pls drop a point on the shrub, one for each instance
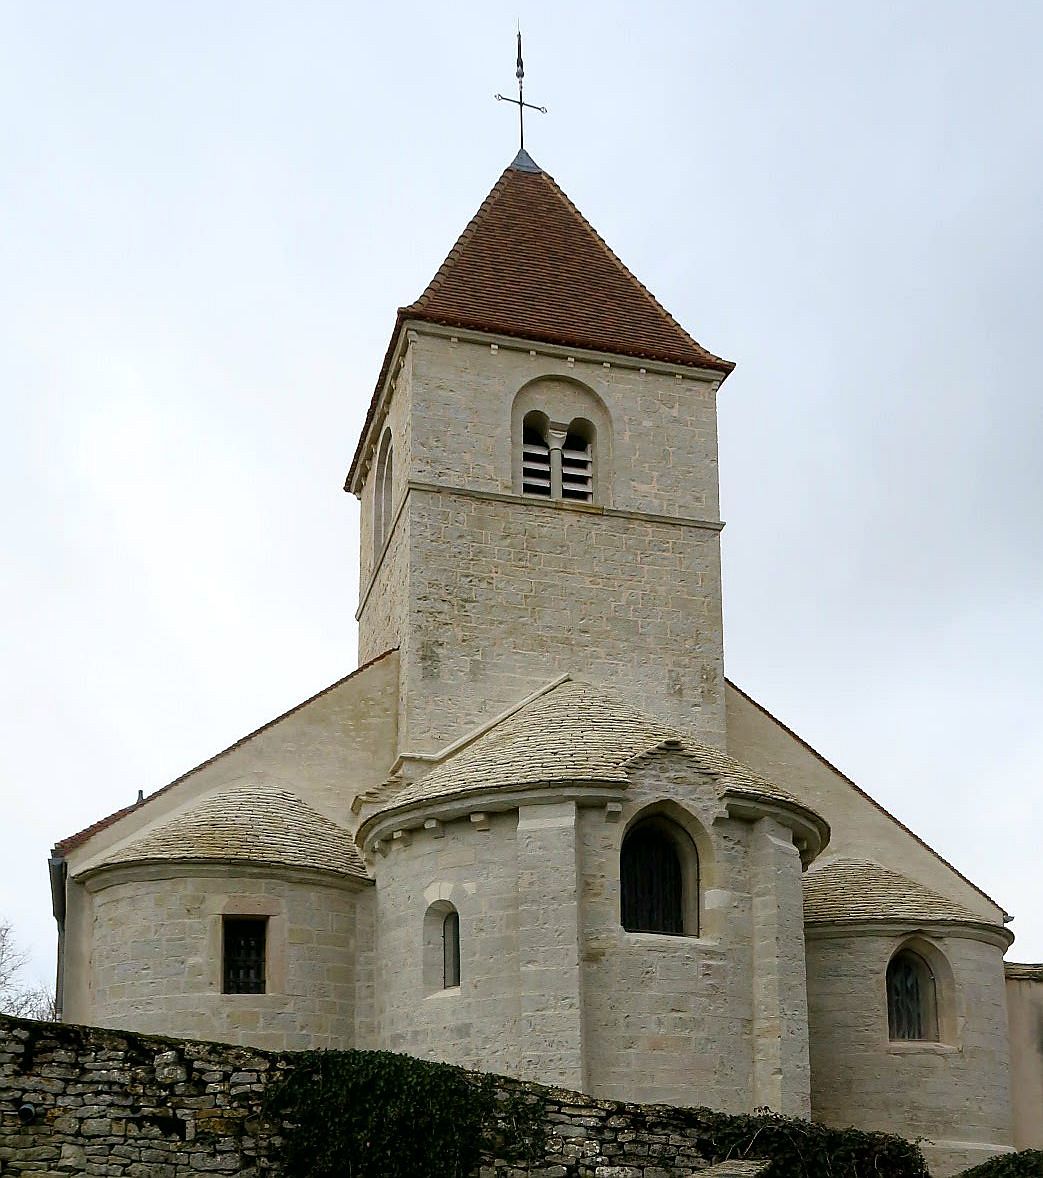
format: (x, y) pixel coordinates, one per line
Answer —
(1027, 1164)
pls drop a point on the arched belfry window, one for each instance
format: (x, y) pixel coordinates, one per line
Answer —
(557, 461)
(382, 491)
(451, 950)
(577, 462)
(912, 1000)
(659, 879)
(535, 456)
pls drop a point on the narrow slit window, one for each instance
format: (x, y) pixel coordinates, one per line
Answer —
(451, 950)
(535, 462)
(577, 469)
(245, 941)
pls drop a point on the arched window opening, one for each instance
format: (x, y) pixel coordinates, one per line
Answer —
(912, 1004)
(382, 491)
(659, 880)
(536, 477)
(451, 950)
(577, 463)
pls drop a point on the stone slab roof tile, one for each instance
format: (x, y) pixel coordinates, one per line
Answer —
(573, 733)
(248, 823)
(851, 890)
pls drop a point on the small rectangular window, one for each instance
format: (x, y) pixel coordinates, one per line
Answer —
(244, 953)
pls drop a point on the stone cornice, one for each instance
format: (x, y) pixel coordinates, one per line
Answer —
(989, 934)
(415, 486)
(96, 879)
(448, 808)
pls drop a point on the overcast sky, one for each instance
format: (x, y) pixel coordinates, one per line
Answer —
(209, 213)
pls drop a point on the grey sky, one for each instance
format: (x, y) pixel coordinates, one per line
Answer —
(211, 211)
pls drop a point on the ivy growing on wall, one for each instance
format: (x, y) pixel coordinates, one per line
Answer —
(802, 1149)
(1027, 1164)
(374, 1114)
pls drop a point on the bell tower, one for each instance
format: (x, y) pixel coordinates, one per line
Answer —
(538, 481)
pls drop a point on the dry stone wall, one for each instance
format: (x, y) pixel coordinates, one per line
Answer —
(77, 1100)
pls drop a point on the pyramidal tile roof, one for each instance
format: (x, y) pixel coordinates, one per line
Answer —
(529, 264)
(248, 823)
(574, 732)
(851, 890)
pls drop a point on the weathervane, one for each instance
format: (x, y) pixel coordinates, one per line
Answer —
(520, 102)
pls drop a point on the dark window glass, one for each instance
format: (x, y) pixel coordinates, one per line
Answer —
(652, 892)
(244, 951)
(451, 950)
(910, 998)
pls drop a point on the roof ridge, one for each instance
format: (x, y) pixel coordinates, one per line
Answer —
(436, 283)
(88, 832)
(868, 796)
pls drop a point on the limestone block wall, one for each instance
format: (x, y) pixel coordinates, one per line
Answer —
(473, 867)
(664, 426)
(128, 1105)
(506, 594)
(156, 953)
(678, 1019)
(490, 594)
(955, 1093)
(384, 606)
(1025, 1019)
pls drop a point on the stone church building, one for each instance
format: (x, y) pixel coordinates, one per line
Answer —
(537, 831)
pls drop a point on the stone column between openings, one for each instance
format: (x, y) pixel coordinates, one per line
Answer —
(550, 1024)
(781, 1064)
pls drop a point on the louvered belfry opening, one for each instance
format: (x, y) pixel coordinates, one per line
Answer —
(244, 954)
(535, 457)
(911, 999)
(577, 467)
(651, 881)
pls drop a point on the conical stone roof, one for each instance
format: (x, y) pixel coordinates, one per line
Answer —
(248, 823)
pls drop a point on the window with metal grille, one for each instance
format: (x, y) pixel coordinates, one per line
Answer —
(911, 998)
(451, 950)
(577, 468)
(535, 459)
(244, 953)
(652, 883)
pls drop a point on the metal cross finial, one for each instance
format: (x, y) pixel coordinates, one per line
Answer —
(520, 102)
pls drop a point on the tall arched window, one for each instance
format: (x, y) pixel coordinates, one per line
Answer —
(451, 950)
(382, 490)
(659, 879)
(912, 1000)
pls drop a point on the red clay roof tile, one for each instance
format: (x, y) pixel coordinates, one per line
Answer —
(529, 265)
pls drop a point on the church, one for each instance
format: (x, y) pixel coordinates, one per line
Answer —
(537, 831)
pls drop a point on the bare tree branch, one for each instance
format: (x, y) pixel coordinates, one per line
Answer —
(17, 998)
